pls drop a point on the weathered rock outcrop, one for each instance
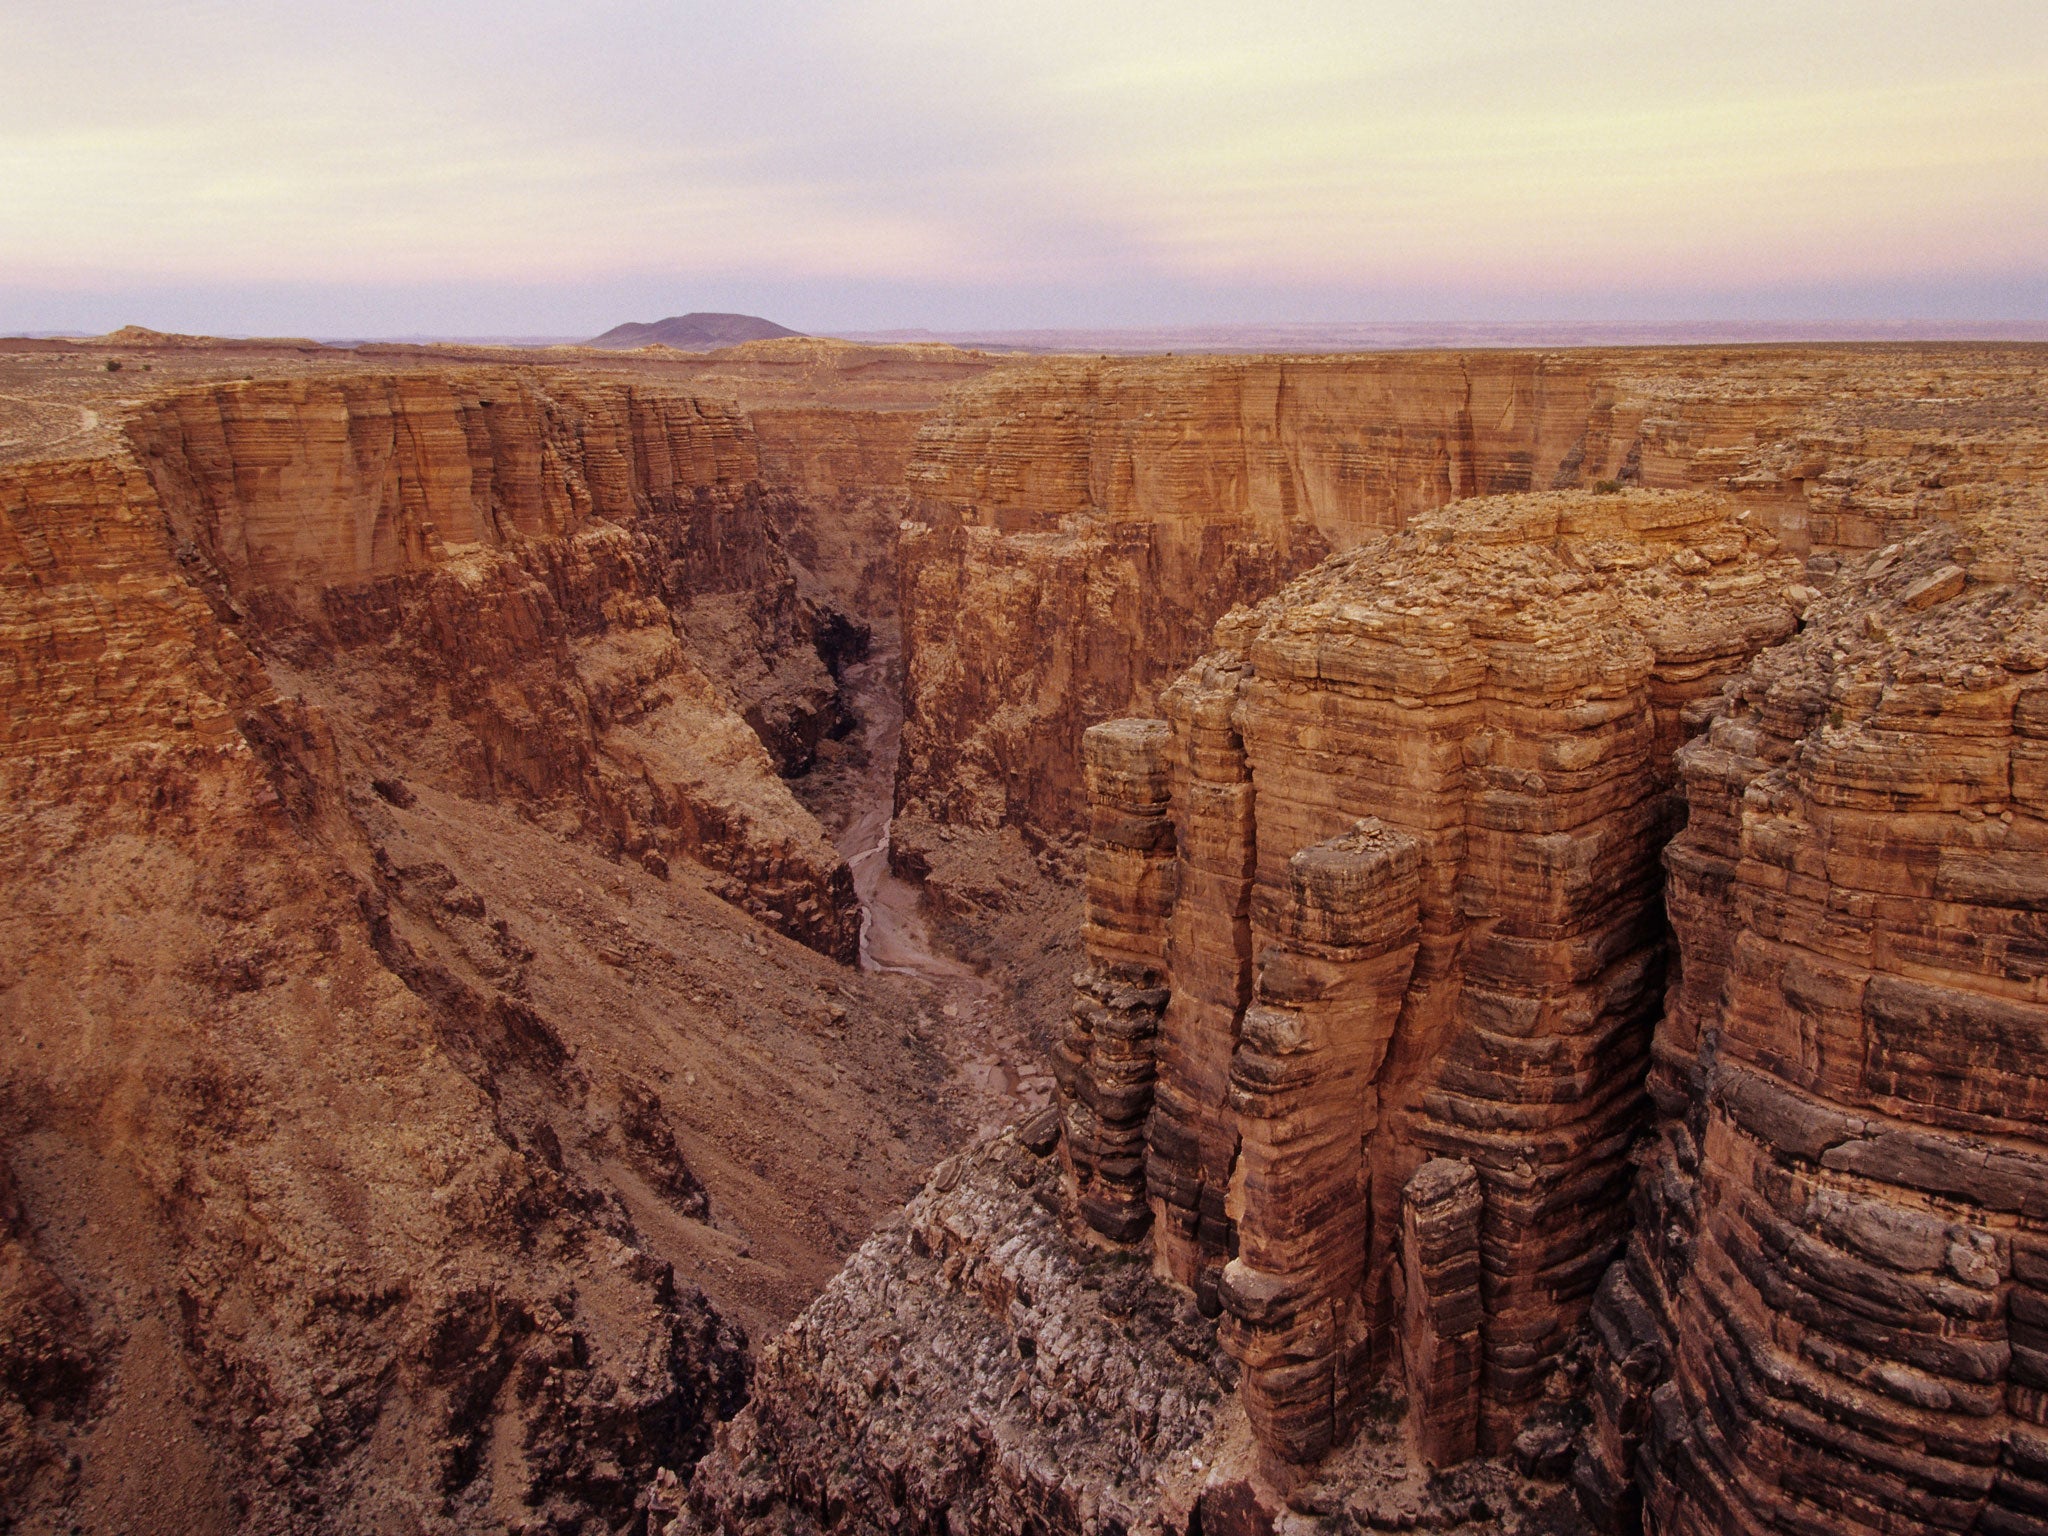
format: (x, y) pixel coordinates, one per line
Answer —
(973, 1371)
(1374, 948)
(584, 579)
(196, 1017)
(1418, 800)
(1077, 526)
(368, 1116)
(46, 1358)
(977, 1369)
(1442, 1311)
(1104, 1060)
(1829, 1315)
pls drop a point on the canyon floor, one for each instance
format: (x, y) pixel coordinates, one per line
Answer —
(566, 967)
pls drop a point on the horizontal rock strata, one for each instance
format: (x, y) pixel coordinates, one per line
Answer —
(585, 579)
(1077, 525)
(1828, 1318)
(380, 1071)
(1441, 1310)
(1336, 948)
(1418, 802)
(1104, 1060)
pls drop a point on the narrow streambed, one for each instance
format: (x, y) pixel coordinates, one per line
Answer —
(974, 1025)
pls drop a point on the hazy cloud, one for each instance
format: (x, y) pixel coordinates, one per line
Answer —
(528, 168)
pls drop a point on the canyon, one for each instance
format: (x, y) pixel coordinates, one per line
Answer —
(1432, 939)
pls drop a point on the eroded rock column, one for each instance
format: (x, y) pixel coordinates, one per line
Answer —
(1441, 1308)
(1104, 1061)
(1336, 949)
(1193, 1140)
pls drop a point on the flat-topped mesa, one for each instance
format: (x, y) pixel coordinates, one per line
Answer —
(1418, 801)
(1833, 1312)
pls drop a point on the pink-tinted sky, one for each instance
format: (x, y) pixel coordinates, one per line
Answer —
(530, 169)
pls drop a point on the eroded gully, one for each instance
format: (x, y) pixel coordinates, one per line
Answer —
(976, 1028)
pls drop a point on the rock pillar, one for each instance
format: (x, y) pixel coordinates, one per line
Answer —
(1104, 1060)
(1209, 946)
(1441, 1310)
(1336, 947)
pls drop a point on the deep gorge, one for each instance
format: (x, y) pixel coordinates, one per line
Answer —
(431, 799)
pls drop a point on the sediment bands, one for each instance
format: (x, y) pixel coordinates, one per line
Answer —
(1386, 1054)
(584, 578)
(1077, 526)
(392, 785)
(1828, 1316)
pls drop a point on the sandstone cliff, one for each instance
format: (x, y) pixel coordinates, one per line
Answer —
(1375, 946)
(1416, 803)
(583, 582)
(1829, 1314)
(1076, 529)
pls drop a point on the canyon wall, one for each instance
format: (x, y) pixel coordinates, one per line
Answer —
(582, 580)
(1829, 1315)
(1078, 525)
(1375, 946)
(837, 481)
(400, 1111)
(226, 1122)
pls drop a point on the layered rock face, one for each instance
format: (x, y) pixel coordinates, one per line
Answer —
(835, 478)
(1077, 526)
(583, 579)
(1105, 1054)
(224, 1236)
(1829, 1316)
(1417, 803)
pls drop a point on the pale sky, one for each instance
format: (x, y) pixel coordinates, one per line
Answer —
(517, 168)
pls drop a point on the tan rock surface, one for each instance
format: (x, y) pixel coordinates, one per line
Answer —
(584, 579)
(1501, 686)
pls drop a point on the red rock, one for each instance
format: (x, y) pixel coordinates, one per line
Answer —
(1442, 1311)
